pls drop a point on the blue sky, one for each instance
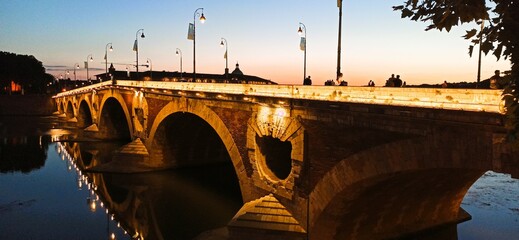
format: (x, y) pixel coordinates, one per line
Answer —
(262, 37)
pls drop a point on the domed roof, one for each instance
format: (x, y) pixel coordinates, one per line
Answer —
(237, 71)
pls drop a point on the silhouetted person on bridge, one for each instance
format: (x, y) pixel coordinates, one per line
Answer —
(111, 72)
(329, 83)
(398, 81)
(496, 81)
(307, 81)
(390, 82)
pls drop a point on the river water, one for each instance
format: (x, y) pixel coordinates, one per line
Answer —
(44, 194)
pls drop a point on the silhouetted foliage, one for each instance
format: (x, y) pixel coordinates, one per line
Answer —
(23, 154)
(24, 70)
(499, 36)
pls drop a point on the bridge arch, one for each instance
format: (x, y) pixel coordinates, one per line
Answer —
(63, 105)
(372, 194)
(184, 139)
(59, 105)
(114, 118)
(84, 116)
(69, 110)
(199, 113)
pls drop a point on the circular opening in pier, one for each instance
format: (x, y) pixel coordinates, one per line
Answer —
(276, 158)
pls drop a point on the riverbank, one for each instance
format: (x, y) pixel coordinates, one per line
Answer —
(26, 105)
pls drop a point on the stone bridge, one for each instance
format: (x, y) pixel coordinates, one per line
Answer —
(324, 162)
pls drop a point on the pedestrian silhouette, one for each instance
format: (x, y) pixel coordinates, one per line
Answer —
(329, 83)
(496, 80)
(390, 82)
(398, 81)
(307, 81)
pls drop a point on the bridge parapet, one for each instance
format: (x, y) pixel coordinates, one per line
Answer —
(480, 100)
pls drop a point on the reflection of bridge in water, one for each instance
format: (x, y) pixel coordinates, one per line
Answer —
(334, 162)
(158, 205)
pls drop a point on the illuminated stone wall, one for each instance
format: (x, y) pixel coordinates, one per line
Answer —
(345, 144)
(445, 98)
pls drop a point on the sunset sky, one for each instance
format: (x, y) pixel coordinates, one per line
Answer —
(262, 37)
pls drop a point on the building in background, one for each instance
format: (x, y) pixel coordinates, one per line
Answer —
(235, 76)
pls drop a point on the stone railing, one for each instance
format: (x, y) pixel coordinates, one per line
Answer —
(484, 100)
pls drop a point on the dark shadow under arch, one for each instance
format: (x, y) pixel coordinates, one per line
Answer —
(69, 110)
(113, 124)
(184, 139)
(391, 205)
(84, 116)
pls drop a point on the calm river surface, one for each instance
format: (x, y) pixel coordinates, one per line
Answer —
(45, 195)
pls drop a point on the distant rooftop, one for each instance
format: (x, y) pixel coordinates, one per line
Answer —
(236, 76)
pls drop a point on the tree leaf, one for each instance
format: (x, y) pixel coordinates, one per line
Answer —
(432, 26)
(498, 51)
(486, 47)
(396, 8)
(470, 34)
(407, 13)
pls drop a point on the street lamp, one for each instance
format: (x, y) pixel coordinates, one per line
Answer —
(202, 20)
(179, 52)
(106, 58)
(222, 43)
(339, 74)
(66, 74)
(136, 49)
(302, 32)
(89, 58)
(150, 64)
(76, 66)
(480, 50)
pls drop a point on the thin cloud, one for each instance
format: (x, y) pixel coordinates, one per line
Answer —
(64, 68)
(54, 66)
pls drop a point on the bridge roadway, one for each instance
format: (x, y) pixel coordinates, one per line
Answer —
(330, 162)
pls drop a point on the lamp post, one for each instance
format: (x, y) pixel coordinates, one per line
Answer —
(480, 50)
(339, 74)
(202, 20)
(136, 49)
(179, 52)
(76, 66)
(66, 74)
(222, 43)
(89, 58)
(150, 64)
(106, 58)
(302, 32)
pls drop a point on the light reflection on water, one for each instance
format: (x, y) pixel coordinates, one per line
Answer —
(60, 201)
(493, 202)
(56, 199)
